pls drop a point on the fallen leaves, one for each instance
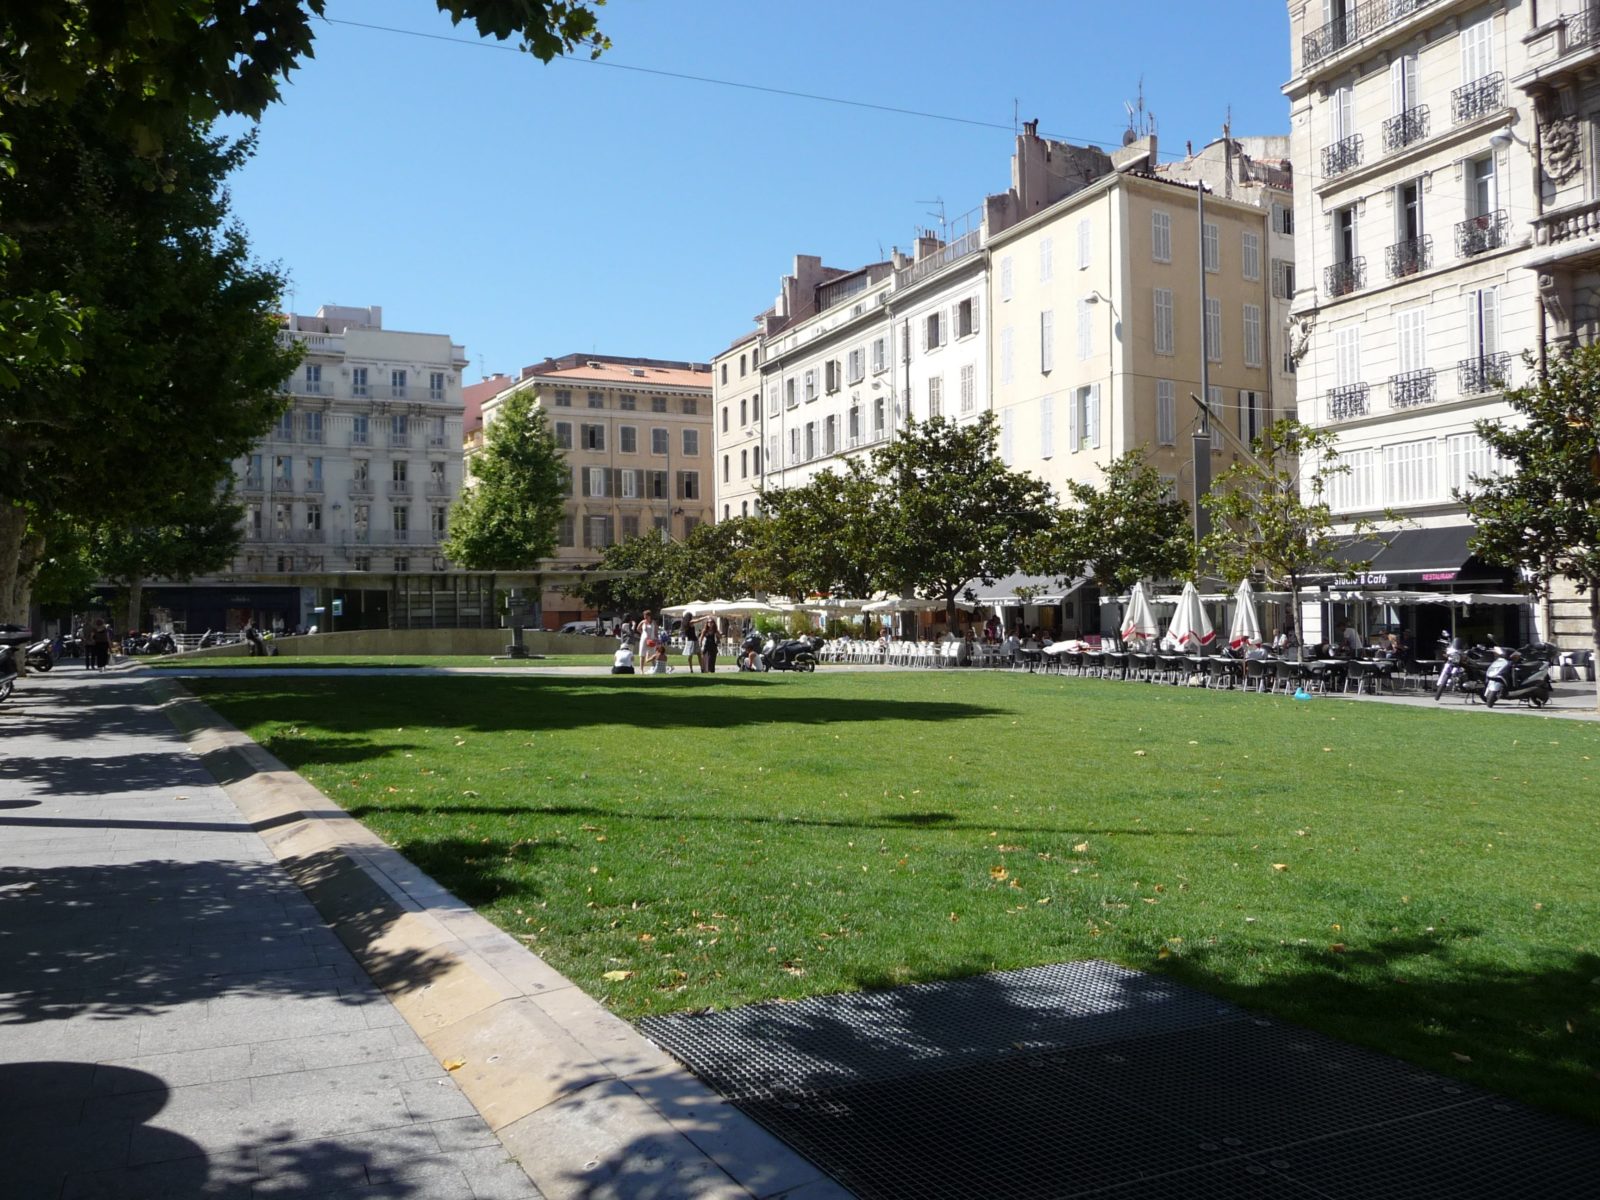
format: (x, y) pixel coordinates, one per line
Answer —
(1280, 866)
(617, 976)
(454, 1064)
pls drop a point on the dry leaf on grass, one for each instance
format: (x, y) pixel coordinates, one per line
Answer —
(617, 976)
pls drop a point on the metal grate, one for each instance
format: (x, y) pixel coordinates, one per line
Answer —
(1082, 1078)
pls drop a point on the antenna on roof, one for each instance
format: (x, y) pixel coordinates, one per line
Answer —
(939, 200)
(1141, 123)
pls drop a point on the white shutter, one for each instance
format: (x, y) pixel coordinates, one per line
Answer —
(1483, 322)
(1411, 336)
(1007, 421)
(1047, 426)
(1047, 340)
(1094, 416)
(1342, 111)
(1347, 356)
(1166, 418)
(974, 328)
(1006, 372)
(1085, 329)
(1083, 244)
(1403, 83)
(1477, 50)
(1074, 404)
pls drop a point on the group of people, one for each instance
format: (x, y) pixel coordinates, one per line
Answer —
(654, 645)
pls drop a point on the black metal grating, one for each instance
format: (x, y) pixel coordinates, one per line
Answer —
(1087, 1078)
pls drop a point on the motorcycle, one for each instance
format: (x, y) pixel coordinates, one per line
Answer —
(1509, 677)
(1464, 671)
(9, 643)
(40, 656)
(797, 655)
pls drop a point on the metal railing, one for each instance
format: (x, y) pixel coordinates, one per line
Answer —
(1411, 388)
(1478, 98)
(1345, 277)
(943, 257)
(438, 487)
(1348, 401)
(1485, 373)
(1476, 235)
(361, 487)
(252, 483)
(1341, 156)
(313, 486)
(360, 437)
(1355, 23)
(1409, 257)
(400, 535)
(282, 485)
(399, 441)
(399, 487)
(1580, 31)
(1405, 128)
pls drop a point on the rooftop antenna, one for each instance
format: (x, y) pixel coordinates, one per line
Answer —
(939, 200)
(1141, 122)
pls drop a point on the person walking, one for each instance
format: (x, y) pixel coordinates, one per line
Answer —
(691, 641)
(650, 645)
(708, 647)
(99, 645)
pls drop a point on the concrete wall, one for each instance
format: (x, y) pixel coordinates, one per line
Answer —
(419, 642)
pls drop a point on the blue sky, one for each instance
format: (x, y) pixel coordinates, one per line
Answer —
(532, 210)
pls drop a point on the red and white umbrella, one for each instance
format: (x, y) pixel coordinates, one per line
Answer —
(1245, 628)
(1190, 626)
(1139, 620)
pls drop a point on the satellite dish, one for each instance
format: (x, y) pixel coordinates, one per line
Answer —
(1129, 137)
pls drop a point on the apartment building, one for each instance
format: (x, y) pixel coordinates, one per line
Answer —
(1415, 213)
(736, 408)
(637, 433)
(357, 476)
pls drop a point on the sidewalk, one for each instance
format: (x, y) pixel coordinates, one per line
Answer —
(178, 1018)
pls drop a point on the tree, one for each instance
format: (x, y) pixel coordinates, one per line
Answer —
(1271, 518)
(706, 564)
(818, 537)
(178, 360)
(955, 511)
(1130, 529)
(1543, 515)
(646, 556)
(508, 518)
(196, 533)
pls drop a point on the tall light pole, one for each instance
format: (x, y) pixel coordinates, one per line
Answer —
(1202, 430)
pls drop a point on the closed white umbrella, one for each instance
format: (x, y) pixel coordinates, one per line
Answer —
(1139, 620)
(1190, 626)
(1245, 628)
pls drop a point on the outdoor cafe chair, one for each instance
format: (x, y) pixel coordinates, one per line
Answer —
(1116, 664)
(1142, 665)
(1255, 674)
(1173, 667)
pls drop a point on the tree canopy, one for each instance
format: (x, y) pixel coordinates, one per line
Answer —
(508, 518)
(818, 537)
(1543, 514)
(705, 564)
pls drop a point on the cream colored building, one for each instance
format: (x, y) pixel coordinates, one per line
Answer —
(1416, 299)
(637, 434)
(736, 410)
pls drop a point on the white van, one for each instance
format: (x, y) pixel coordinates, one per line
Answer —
(589, 627)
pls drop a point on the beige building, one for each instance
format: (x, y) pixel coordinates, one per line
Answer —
(736, 409)
(637, 433)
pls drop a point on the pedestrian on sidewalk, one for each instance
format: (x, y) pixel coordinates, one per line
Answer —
(691, 641)
(708, 647)
(99, 645)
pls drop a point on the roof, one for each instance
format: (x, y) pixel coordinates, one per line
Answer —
(623, 375)
(473, 396)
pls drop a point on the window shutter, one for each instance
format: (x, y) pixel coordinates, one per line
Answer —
(584, 475)
(1491, 320)
(1007, 438)
(1074, 403)
(974, 314)
(1047, 426)
(1094, 416)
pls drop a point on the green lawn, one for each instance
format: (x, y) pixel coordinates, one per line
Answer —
(379, 660)
(1420, 881)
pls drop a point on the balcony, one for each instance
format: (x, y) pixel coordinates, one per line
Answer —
(1347, 402)
(360, 437)
(312, 435)
(1341, 279)
(1478, 98)
(282, 484)
(1342, 156)
(1572, 223)
(361, 487)
(399, 487)
(940, 258)
(1357, 21)
(1411, 388)
(436, 439)
(1485, 373)
(1409, 257)
(1405, 129)
(438, 487)
(400, 535)
(399, 441)
(252, 483)
(1478, 235)
(312, 487)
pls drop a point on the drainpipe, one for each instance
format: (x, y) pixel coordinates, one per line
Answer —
(1538, 211)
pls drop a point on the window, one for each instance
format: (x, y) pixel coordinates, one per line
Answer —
(628, 439)
(1166, 414)
(935, 396)
(313, 427)
(1083, 419)
(361, 521)
(967, 317)
(594, 481)
(1477, 51)
(436, 475)
(772, 450)
(1283, 279)
(1347, 356)
(1341, 111)
(810, 378)
(1283, 219)
(1006, 372)
(658, 441)
(592, 437)
(360, 433)
(1483, 196)
(1211, 247)
(1214, 330)
(282, 468)
(1250, 254)
(856, 365)
(1047, 427)
(1085, 329)
(397, 384)
(563, 435)
(314, 474)
(1252, 335)
(811, 440)
(932, 332)
(1355, 487)
(437, 519)
(744, 413)
(831, 381)
(630, 527)
(967, 388)
(772, 401)
(830, 435)
(880, 356)
(1084, 233)
(630, 484)
(1402, 86)
(755, 457)
(744, 459)
(1253, 415)
(688, 485)
(658, 404)
(1468, 456)
(660, 525)
(790, 400)
(360, 469)
(435, 431)
(398, 470)
(436, 385)
(313, 378)
(1008, 436)
(853, 426)
(1161, 237)
(627, 403)
(1408, 472)
(596, 400)
(1047, 341)
(724, 372)
(358, 381)
(656, 485)
(691, 406)
(402, 564)
(399, 429)
(284, 429)
(1005, 278)
(1046, 260)
(596, 532)
(1411, 340)
(1344, 234)
(1163, 327)
(1214, 395)
(691, 443)
(1483, 324)
(794, 447)
(742, 365)
(314, 518)
(400, 521)
(563, 399)
(878, 409)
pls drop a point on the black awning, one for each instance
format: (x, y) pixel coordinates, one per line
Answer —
(1438, 554)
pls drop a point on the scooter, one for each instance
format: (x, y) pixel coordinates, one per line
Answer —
(40, 656)
(797, 655)
(1509, 678)
(9, 642)
(1464, 671)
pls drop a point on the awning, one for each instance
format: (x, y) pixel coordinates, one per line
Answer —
(1437, 554)
(1040, 589)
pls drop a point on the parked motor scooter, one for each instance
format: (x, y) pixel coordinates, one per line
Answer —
(797, 655)
(1511, 678)
(1464, 670)
(40, 656)
(9, 643)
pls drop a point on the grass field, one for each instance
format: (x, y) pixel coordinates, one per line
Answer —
(1418, 881)
(381, 660)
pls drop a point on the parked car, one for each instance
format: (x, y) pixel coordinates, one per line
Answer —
(589, 627)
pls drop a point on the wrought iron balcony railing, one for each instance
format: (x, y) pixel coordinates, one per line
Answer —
(252, 483)
(1476, 235)
(1402, 130)
(1478, 98)
(1357, 21)
(1345, 277)
(1411, 388)
(1348, 401)
(1485, 373)
(1409, 257)
(1341, 156)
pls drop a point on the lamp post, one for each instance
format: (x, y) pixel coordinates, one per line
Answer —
(1202, 431)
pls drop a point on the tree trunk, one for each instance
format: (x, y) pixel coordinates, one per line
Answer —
(1594, 634)
(21, 556)
(135, 595)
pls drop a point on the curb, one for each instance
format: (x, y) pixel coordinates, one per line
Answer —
(585, 1105)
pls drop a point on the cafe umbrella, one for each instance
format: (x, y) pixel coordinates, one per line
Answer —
(1139, 620)
(1245, 628)
(1191, 628)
